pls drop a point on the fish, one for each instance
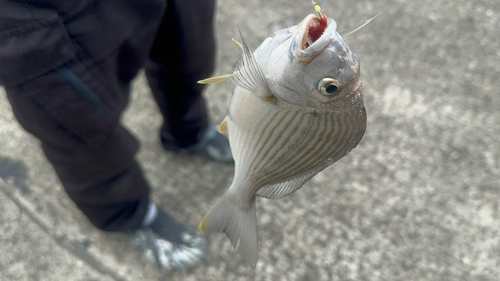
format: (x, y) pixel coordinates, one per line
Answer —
(297, 108)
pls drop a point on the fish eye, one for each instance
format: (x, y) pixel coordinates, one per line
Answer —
(328, 87)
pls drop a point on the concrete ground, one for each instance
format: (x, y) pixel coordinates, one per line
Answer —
(418, 199)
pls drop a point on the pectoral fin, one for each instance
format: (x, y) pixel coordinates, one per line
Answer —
(223, 127)
(250, 76)
(247, 74)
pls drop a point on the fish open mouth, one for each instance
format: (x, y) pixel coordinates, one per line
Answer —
(315, 28)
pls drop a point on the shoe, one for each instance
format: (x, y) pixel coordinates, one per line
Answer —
(213, 145)
(170, 244)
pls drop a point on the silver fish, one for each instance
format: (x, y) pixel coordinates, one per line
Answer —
(297, 108)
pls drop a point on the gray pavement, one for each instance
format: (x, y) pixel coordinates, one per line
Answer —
(418, 199)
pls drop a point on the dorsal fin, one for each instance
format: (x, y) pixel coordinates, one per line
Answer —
(250, 76)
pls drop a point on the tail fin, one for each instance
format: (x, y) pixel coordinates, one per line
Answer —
(238, 224)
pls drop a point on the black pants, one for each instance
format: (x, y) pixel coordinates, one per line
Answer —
(74, 108)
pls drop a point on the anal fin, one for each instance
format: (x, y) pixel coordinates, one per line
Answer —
(285, 188)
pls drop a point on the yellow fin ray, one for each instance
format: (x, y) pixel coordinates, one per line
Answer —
(238, 44)
(216, 79)
(223, 127)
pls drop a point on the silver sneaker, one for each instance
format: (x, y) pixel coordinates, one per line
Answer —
(169, 243)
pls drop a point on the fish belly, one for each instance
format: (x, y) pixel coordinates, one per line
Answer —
(274, 143)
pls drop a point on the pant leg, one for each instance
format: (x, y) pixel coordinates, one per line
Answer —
(74, 110)
(182, 54)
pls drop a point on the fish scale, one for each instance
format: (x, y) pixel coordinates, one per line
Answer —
(312, 155)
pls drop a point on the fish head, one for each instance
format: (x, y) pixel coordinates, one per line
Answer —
(311, 65)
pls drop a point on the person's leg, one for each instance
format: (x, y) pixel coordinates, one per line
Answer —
(182, 54)
(74, 111)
